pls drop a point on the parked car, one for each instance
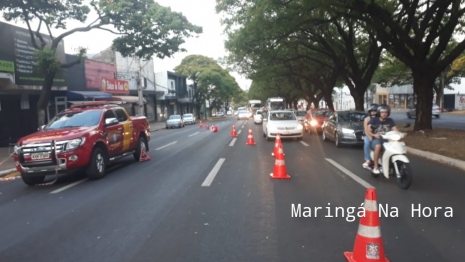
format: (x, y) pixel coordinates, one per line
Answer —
(436, 112)
(315, 119)
(344, 127)
(243, 114)
(88, 136)
(229, 113)
(283, 122)
(189, 119)
(175, 121)
(258, 117)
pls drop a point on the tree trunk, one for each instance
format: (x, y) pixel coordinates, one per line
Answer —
(359, 102)
(197, 110)
(327, 94)
(423, 87)
(42, 104)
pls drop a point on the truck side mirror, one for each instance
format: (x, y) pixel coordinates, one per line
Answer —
(111, 121)
(41, 127)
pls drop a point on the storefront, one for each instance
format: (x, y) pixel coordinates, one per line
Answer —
(401, 97)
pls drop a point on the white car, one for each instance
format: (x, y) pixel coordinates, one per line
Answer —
(283, 122)
(258, 117)
(243, 114)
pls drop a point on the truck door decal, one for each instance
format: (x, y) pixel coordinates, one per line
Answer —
(128, 131)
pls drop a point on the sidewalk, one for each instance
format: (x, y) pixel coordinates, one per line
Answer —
(7, 165)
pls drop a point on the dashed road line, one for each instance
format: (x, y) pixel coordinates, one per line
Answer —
(239, 132)
(68, 186)
(194, 134)
(208, 181)
(167, 145)
(350, 174)
(303, 143)
(232, 142)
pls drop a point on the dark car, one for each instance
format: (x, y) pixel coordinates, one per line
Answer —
(344, 127)
(315, 119)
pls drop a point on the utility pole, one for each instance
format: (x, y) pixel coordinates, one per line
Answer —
(139, 91)
(441, 99)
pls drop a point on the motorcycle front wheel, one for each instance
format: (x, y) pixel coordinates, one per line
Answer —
(405, 179)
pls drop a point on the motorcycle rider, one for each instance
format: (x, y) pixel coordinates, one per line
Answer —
(378, 126)
(372, 111)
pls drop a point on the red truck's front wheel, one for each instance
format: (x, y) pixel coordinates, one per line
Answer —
(97, 165)
(142, 144)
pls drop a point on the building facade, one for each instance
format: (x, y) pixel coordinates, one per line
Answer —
(175, 96)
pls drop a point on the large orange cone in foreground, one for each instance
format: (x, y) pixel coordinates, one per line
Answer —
(250, 140)
(368, 242)
(233, 132)
(144, 156)
(277, 145)
(279, 170)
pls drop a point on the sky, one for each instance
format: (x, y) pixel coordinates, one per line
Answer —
(199, 12)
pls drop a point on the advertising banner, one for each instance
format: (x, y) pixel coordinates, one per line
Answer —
(115, 86)
(17, 56)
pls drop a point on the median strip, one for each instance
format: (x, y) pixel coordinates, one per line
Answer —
(167, 145)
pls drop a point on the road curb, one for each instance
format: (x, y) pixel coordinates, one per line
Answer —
(7, 172)
(438, 158)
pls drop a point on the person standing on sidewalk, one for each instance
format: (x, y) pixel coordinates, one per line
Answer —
(372, 110)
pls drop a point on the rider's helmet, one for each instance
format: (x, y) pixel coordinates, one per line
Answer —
(384, 108)
(373, 107)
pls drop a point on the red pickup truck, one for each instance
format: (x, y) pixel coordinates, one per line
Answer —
(88, 136)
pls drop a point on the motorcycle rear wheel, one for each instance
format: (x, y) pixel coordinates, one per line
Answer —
(405, 179)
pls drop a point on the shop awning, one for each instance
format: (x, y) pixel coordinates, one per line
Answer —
(86, 95)
(126, 99)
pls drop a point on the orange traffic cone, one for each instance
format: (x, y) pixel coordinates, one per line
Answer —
(233, 132)
(144, 156)
(368, 243)
(200, 125)
(277, 145)
(250, 140)
(207, 126)
(214, 129)
(279, 170)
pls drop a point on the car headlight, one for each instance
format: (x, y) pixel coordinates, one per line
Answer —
(300, 127)
(75, 143)
(313, 123)
(347, 131)
(16, 149)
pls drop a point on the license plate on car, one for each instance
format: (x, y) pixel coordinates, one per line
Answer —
(286, 132)
(41, 155)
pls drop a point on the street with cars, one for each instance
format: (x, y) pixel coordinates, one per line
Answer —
(207, 196)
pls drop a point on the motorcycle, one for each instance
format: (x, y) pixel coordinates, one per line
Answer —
(393, 161)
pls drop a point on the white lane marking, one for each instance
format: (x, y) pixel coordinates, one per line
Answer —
(352, 175)
(68, 186)
(232, 142)
(194, 134)
(239, 132)
(242, 126)
(167, 145)
(303, 143)
(208, 181)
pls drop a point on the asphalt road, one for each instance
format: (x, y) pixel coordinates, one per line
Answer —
(444, 121)
(159, 211)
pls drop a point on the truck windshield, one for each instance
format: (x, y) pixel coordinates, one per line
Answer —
(75, 119)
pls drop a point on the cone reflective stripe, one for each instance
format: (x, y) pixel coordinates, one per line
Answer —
(368, 242)
(233, 132)
(277, 145)
(250, 140)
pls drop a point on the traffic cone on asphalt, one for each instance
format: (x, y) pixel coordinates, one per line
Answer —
(200, 125)
(250, 140)
(233, 132)
(207, 126)
(277, 145)
(279, 170)
(368, 242)
(144, 156)
(214, 129)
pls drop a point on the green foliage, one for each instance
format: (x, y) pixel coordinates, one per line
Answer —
(47, 62)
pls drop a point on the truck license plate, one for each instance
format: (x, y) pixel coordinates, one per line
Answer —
(41, 155)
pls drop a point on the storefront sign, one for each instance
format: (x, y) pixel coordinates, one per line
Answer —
(17, 56)
(115, 86)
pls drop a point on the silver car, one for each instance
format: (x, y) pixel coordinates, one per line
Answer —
(344, 127)
(283, 122)
(174, 121)
(188, 119)
(436, 112)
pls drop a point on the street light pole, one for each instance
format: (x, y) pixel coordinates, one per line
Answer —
(140, 91)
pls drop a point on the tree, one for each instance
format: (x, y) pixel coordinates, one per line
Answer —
(419, 33)
(144, 27)
(210, 81)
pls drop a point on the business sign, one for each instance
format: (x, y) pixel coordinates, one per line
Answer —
(17, 56)
(115, 86)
